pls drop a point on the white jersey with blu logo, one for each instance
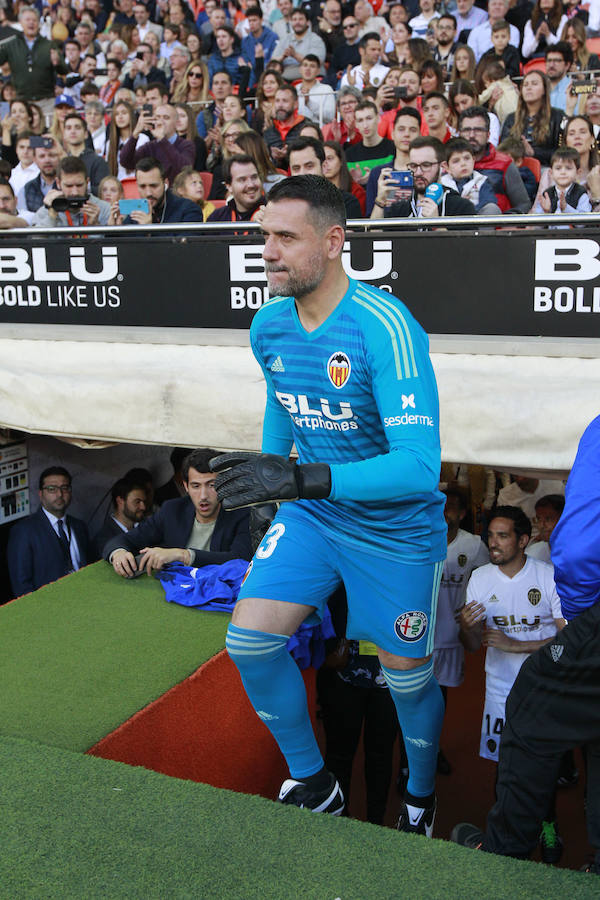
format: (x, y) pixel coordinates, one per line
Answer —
(523, 607)
(465, 553)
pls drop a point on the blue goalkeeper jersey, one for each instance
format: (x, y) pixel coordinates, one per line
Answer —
(359, 393)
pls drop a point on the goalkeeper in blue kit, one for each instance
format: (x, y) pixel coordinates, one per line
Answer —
(350, 382)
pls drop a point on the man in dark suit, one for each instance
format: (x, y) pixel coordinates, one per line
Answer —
(129, 505)
(48, 544)
(193, 530)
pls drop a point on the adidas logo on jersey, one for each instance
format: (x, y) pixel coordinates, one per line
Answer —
(265, 716)
(278, 365)
(493, 599)
(556, 651)
(418, 742)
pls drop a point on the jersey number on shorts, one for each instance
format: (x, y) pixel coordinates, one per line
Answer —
(269, 542)
(498, 725)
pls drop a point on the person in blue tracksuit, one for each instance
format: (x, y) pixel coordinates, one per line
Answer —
(554, 705)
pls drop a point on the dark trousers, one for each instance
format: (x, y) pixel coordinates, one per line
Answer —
(345, 708)
(554, 706)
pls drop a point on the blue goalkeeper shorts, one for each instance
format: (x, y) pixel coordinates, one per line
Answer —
(393, 604)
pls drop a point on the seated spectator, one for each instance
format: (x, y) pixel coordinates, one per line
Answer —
(186, 128)
(124, 124)
(128, 510)
(374, 150)
(246, 203)
(225, 149)
(165, 206)
(194, 529)
(498, 91)
(286, 126)
(216, 18)
(464, 64)
(48, 544)
(227, 59)
(26, 168)
(307, 156)
(110, 189)
(426, 155)
(346, 55)
(431, 77)
(559, 59)
(75, 143)
(72, 182)
(368, 22)
(579, 134)
(396, 52)
(410, 86)
(166, 146)
(94, 119)
(316, 100)
(259, 43)
(170, 40)
(407, 127)
(10, 216)
(266, 88)
(293, 47)
(370, 72)
(210, 117)
(463, 95)
(251, 143)
(445, 34)
(173, 488)
(328, 25)
(16, 122)
(436, 110)
(33, 192)
(473, 186)
(179, 62)
(502, 50)
(535, 121)
(141, 71)
(194, 86)
(474, 127)
(574, 34)
(548, 511)
(343, 128)
(514, 148)
(480, 38)
(311, 129)
(189, 184)
(420, 23)
(335, 169)
(543, 28)
(565, 194)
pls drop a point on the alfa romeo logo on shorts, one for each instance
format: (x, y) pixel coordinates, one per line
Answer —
(534, 596)
(338, 368)
(411, 626)
(462, 560)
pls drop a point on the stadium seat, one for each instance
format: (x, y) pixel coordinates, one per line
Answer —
(218, 203)
(534, 166)
(593, 45)
(207, 180)
(130, 188)
(538, 65)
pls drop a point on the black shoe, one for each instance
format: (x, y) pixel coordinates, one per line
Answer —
(551, 843)
(296, 793)
(424, 825)
(443, 766)
(468, 835)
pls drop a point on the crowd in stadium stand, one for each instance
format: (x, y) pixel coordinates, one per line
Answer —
(481, 108)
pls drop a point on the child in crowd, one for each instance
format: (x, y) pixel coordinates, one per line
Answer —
(565, 195)
(502, 50)
(188, 183)
(500, 93)
(110, 189)
(514, 147)
(461, 176)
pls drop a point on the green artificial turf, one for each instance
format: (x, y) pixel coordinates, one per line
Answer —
(76, 826)
(82, 655)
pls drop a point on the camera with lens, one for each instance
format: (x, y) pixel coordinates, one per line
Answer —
(69, 204)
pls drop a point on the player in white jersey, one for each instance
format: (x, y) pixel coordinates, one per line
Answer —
(513, 609)
(548, 511)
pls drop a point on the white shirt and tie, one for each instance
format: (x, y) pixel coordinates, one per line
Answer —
(70, 536)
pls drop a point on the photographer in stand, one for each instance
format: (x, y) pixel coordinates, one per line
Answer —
(71, 204)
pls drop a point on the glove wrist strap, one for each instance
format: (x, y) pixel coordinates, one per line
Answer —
(314, 481)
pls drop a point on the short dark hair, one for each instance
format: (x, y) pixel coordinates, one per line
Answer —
(4, 182)
(289, 88)
(501, 25)
(71, 40)
(198, 460)
(436, 95)
(302, 143)
(474, 112)
(324, 199)
(300, 9)
(369, 36)
(254, 11)
(554, 501)
(427, 141)
(448, 16)
(457, 145)
(566, 153)
(408, 111)
(460, 496)
(241, 159)
(159, 86)
(563, 48)
(138, 473)
(74, 115)
(226, 28)
(367, 104)
(125, 486)
(147, 163)
(521, 523)
(220, 72)
(53, 470)
(173, 28)
(310, 57)
(71, 165)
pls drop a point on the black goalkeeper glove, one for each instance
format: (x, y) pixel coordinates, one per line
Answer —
(247, 479)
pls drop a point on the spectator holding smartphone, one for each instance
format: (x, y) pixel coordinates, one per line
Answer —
(407, 126)
(163, 206)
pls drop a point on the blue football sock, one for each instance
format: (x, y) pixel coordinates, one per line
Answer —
(276, 691)
(420, 708)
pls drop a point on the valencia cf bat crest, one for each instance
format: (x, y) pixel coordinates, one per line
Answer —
(338, 369)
